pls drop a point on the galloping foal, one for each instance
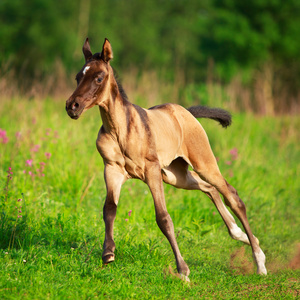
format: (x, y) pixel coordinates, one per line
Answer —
(154, 145)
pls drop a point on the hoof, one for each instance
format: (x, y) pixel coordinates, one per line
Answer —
(108, 258)
(262, 271)
(184, 278)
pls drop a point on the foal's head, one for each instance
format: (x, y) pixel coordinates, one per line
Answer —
(92, 80)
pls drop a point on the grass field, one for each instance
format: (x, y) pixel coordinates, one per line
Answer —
(52, 194)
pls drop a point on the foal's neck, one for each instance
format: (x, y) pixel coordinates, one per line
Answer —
(114, 110)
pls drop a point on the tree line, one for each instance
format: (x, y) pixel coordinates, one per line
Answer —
(197, 39)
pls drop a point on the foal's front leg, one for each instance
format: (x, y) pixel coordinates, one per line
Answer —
(163, 219)
(114, 180)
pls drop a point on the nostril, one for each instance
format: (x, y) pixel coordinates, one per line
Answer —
(75, 106)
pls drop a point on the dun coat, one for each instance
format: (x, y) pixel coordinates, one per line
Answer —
(154, 145)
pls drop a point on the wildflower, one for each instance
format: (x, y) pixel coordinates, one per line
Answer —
(19, 216)
(19, 200)
(10, 173)
(18, 135)
(35, 148)
(2, 133)
(129, 213)
(228, 162)
(29, 162)
(3, 136)
(48, 130)
(234, 153)
(126, 220)
(48, 155)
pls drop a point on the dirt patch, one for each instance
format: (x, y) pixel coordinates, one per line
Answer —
(244, 265)
(295, 261)
(240, 262)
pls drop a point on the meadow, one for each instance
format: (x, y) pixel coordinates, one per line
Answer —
(52, 194)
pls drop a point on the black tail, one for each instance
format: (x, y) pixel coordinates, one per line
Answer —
(217, 114)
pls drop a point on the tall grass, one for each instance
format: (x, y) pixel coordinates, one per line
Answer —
(51, 239)
(264, 93)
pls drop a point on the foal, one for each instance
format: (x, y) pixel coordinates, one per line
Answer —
(154, 145)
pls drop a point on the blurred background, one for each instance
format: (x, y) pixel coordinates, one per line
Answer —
(241, 55)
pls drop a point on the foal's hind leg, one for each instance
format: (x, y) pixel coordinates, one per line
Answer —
(178, 175)
(207, 168)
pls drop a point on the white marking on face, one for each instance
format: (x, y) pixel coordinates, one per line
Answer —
(86, 69)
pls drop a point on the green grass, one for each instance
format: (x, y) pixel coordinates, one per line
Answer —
(54, 250)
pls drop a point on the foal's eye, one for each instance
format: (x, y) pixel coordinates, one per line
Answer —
(99, 79)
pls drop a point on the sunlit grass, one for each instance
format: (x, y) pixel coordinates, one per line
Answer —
(51, 239)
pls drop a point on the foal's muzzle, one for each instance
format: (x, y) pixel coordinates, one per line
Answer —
(74, 108)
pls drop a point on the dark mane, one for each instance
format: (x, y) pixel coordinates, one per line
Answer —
(120, 87)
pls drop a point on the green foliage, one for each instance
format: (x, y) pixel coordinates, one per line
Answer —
(54, 250)
(181, 36)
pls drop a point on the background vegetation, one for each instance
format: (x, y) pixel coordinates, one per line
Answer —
(250, 48)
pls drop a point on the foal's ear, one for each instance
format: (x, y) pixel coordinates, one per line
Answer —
(86, 49)
(106, 53)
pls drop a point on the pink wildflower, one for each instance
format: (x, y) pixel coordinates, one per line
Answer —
(10, 173)
(48, 130)
(18, 135)
(48, 155)
(234, 153)
(126, 220)
(29, 162)
(228, 162)
(19, 200)
(129, 213)
(3, 136)
(2, 133)
(35, 148)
